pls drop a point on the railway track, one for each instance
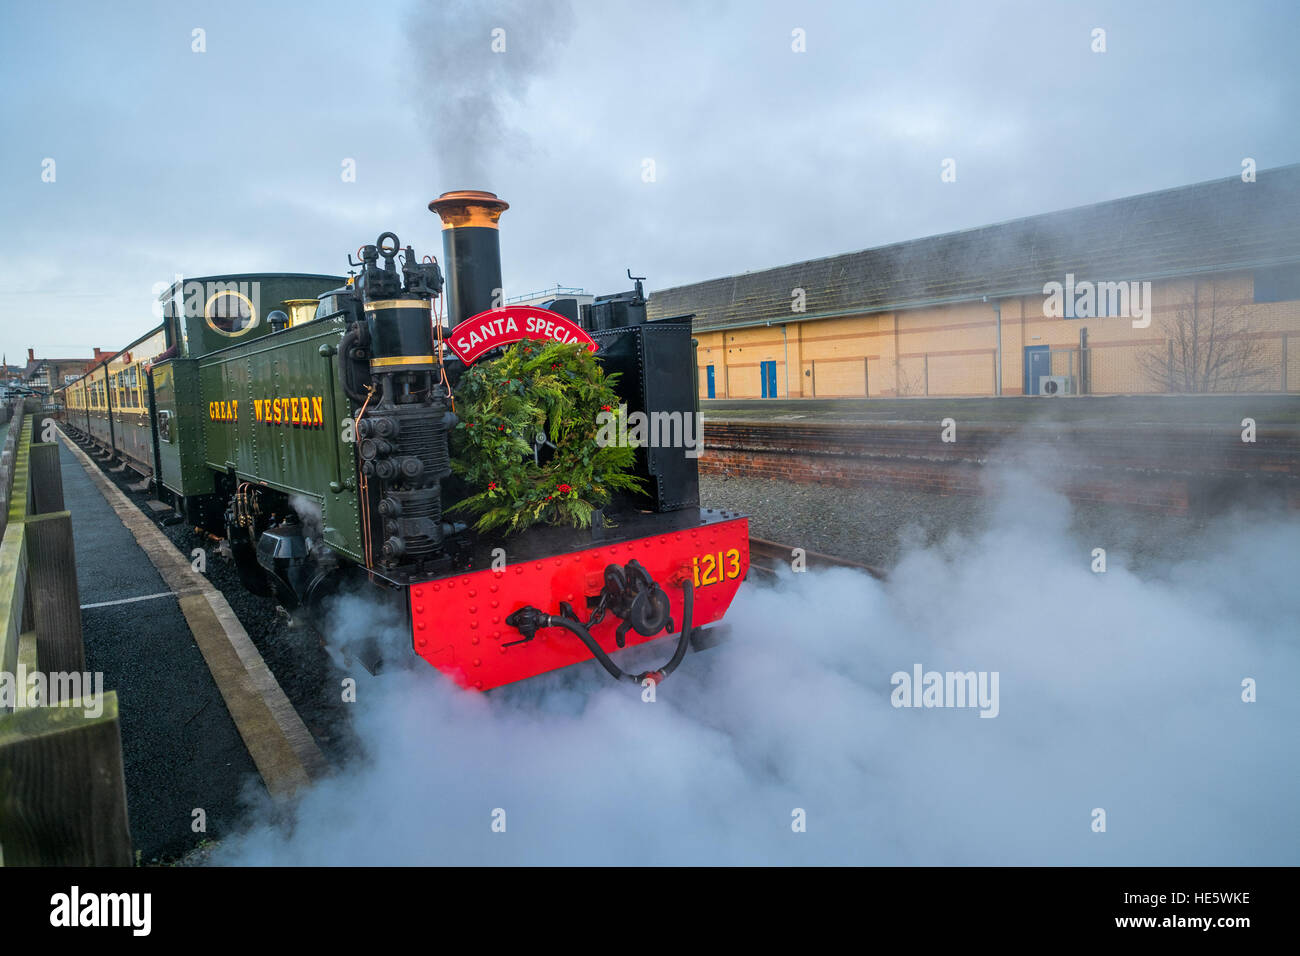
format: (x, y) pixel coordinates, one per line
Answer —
(766, 556)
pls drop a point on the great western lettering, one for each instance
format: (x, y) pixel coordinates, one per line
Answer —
(304, 411)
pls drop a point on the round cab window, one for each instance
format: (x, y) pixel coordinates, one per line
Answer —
(230, 313)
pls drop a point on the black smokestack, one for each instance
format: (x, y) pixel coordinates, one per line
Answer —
(471, 250)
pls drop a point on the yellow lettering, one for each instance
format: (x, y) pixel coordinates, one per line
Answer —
(733, 558)
(318, 410)
(279, 412)
(293, 411)
(234, 411)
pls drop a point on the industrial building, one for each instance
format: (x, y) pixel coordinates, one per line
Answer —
(1193, 289)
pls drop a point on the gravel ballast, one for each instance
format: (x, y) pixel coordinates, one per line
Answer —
(873, 525)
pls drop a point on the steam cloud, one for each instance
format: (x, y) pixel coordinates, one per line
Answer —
(467, 89)
(1118, 691)
(309, 515)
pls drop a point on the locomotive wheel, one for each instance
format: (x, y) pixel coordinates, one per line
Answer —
(251, 575)
(324, 585)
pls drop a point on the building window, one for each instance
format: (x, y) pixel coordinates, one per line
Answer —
(1279, 284)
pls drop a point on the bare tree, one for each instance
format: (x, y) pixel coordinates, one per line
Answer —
(907, 383)
(1208, 346)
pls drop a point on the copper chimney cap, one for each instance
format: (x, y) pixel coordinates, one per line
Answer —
(469, 207)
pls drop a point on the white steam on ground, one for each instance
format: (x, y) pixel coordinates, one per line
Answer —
(1117, 691)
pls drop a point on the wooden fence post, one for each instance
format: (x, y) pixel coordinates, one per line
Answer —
(13, 590)
(45, 478)
(62, 792)
(56, 602)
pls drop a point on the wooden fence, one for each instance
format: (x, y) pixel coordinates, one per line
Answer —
(62, 792)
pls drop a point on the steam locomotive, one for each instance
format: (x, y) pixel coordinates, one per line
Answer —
(314, 439)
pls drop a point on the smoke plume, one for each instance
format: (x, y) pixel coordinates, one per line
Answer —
(475, 63)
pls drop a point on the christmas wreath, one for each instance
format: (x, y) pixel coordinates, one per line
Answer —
(526, 444)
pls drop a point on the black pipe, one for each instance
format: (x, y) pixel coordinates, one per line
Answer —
(584, 635)
(532, 620)
(473, 257)
(471, 249)
(688, 609)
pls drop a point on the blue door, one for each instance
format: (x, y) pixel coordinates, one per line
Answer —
(710, 372)
(767, 371)
(1038, 362)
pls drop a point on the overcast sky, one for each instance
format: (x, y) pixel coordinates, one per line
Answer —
(169, 161)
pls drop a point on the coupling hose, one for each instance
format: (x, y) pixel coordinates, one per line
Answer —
(537, 620)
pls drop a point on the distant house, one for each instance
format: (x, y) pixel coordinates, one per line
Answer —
(44, 374)
(1184, 290)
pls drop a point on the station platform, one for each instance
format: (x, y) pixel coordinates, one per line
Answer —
(175, 727)
(202, 719)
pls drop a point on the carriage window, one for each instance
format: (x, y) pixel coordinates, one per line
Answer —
(230, 313)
